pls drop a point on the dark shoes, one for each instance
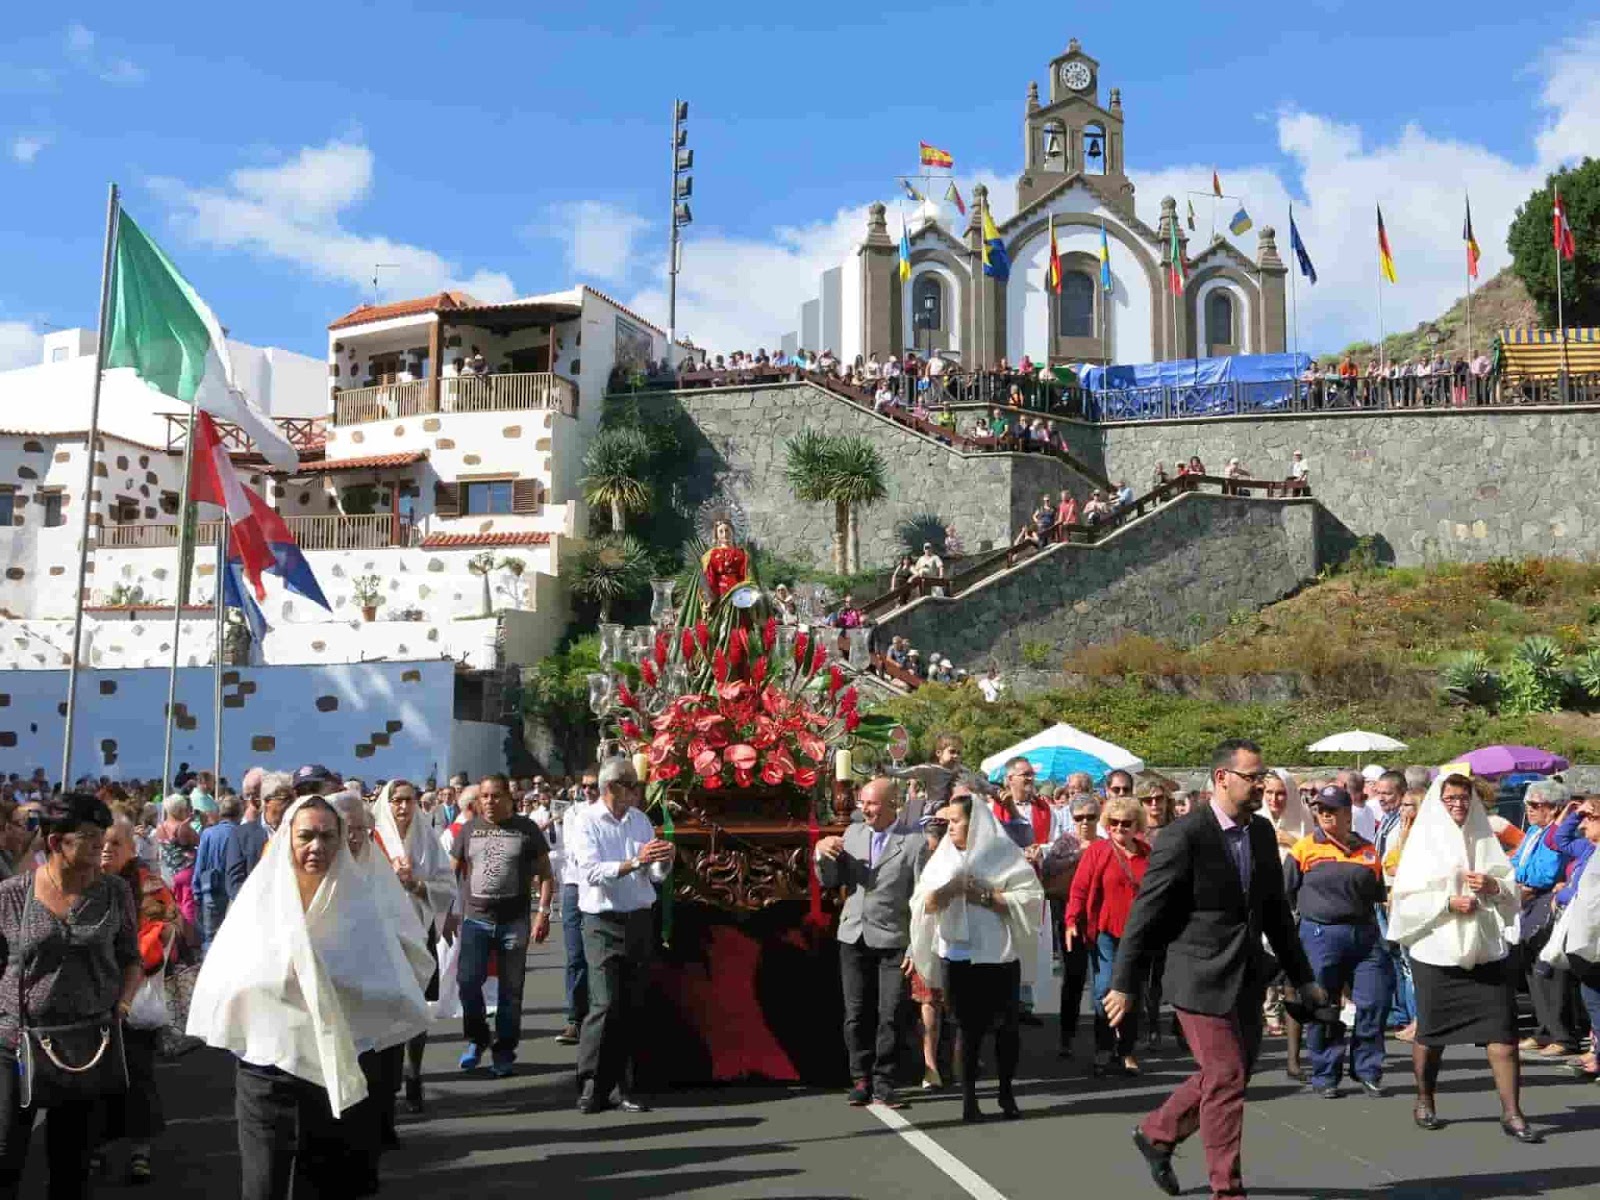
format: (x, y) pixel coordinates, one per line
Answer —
(1159, 1161)
(589, 1103)
(1008, 1104)
(1523, 1133)
(1328, 1091)
(1426, 1118)
(568, 1036)
(627, 1104)
(1372, 1088)
(413, 1093)
(861, 1094)
(1030, 1018)
(883, 1094)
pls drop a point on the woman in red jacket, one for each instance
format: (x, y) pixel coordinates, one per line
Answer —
(1102, 895)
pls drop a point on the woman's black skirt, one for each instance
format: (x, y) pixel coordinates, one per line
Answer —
(1462, 1006)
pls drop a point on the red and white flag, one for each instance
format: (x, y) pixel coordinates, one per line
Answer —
(1561, 234)
(213, 480)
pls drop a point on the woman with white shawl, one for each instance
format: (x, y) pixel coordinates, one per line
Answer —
(424, 871)
(972, 934)
(296, 987)
(1283, 805)
(1454, 906)
(1575, 941)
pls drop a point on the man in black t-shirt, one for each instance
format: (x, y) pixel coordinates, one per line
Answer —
(498, 857)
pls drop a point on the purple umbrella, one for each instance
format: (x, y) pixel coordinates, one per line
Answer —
(1493, 761)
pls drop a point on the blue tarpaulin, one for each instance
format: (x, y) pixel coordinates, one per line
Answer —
(1193, 386)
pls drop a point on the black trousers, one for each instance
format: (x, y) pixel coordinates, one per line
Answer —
(1074, 975)
(66, 1139)
(874, 987)
(617, 949)
(289, 1135)
(984, 996)
(136, 1113)
(1554, 1002)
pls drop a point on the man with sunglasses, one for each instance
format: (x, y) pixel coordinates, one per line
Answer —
(1119, 783)
(1214, 887)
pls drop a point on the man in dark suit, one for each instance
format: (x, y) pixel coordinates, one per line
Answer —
(877, 861)
(1213, 888)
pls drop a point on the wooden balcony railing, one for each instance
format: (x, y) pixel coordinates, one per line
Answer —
(463, 394)
(372, 532)
(305, 434)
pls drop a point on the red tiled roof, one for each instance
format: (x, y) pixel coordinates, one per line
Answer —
(368, 313)
(452, 541)
(402, 458)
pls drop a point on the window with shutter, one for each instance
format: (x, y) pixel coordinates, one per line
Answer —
(525, 495)
(446, 500)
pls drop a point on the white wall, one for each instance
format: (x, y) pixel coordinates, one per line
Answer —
(1027, 301)
(1244, 316)
(334, 715)
(477, 747)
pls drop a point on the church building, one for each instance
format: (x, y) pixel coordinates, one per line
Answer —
(1073, 172)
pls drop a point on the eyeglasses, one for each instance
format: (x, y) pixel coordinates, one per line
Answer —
(1115, 824)
(1252, 776)
(1119, 790)
(1080, 818)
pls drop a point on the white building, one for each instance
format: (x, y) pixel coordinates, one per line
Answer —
(443, 493)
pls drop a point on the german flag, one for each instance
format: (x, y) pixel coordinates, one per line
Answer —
(1385, 257)
(1472, 243)
(932, 156)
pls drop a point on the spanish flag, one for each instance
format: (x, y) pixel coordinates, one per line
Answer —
(1472, 243)
(932, 156)
(1053, 273)
(1385, 257)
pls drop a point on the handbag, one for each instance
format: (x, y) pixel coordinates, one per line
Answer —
(149, 1009)
(60, 1064)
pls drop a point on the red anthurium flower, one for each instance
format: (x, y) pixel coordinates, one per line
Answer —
(665, 770)
(719, 666)
(629, 730)
(835, 680)
(771, 772)
(802, 642)
(806, 776)
(785, 761)
(741, 756)
(744, 778)
(811, 745)
(711, 782)
(702, 635)
(718, 735)
(733, 691)
(663, 644)
(774, 701)
(661, 746)
(769, 634)
(707, 762)
(706, 722)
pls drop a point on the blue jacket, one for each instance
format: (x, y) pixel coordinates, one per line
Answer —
(210, 862)
(1569, 841)
(1537, 863)
(244, 852)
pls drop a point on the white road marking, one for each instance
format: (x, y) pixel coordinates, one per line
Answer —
(962, 1175)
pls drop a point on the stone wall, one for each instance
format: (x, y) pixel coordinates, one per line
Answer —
(1427, 486)
(1183, 570)
(739, 456)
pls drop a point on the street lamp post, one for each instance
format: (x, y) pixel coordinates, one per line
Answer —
(682, 189)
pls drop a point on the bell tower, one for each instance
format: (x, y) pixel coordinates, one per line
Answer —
(1073, 133)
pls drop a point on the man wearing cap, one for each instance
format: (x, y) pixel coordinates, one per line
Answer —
(1335, 879)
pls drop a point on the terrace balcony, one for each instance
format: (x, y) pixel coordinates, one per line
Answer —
(461, 394)
(376, 531)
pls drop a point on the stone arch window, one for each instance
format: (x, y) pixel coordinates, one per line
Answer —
(1075, 306)
(1096, 149)
(1219, 318)
(1053, 147)
(927, 303)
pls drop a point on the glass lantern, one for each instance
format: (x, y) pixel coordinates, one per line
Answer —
(599, 692)
(860, 655)
(662, 612)
(611, 644)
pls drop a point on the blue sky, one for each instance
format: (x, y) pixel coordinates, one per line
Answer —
(513, 152)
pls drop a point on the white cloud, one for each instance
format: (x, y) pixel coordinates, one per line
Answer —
(296, 212)
(83, 51)
(601, 239)
(25, 147)
(19, 345)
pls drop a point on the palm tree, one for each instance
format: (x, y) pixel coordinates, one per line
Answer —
(481, 565)
(858, 478)
(608, 568)
(615, 466)
(808, 464)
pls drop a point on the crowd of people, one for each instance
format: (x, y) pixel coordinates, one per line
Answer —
(1425, 381)
(320, 929)
(1394, 903)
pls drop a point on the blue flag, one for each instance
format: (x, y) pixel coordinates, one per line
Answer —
(1299, 248)
(996, 262)
(236, 594)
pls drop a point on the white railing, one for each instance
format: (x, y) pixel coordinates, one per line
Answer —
(371, 532)
(154, 537)
(465, 393)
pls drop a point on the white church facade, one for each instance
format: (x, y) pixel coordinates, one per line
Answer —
(1074, 176)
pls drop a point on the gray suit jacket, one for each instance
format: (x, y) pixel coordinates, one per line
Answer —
(878, 909)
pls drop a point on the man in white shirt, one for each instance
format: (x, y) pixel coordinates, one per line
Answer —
(991, 685)
(620, 862)
(572, 916)
(929, 566)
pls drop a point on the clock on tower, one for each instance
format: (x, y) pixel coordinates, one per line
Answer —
(1076, 76)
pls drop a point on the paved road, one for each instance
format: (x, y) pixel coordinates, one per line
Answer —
(485, 1139)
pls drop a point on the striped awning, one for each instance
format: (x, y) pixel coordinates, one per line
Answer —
(1538, 353)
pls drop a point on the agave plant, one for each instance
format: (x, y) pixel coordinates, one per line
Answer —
(608, 568)
(1541, 653)
(1471, 679)
(1586, 670)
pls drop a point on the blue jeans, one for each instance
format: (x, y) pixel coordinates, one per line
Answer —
(510, 939)
(210, 910)
(577, 965)
(1350, 956)
(1119, 1041)
(1403, 1007)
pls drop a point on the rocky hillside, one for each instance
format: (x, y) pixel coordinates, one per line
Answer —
(1501, 301)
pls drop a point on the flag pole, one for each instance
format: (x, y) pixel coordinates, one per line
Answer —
(180, 587)
(216, 685)
(106, 268)
(1561, 320)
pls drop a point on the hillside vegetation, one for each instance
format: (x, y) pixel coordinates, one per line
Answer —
(1500, 302)
(1368, 649)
